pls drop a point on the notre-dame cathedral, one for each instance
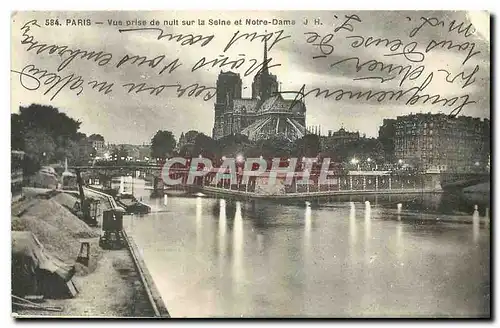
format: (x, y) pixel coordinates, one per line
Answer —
(265, 114)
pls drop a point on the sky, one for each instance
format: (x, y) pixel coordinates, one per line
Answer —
(134, 118)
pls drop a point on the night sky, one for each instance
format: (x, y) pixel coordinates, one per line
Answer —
(134, 118)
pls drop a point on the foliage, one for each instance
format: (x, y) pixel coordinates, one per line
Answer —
(17, 132)
(273, 147)
(187, 150)
(119, 154)
(49, 119)
(206, 147)
(96, 137)
(307, 146)
(189, 137)
(39, 145)
(361, 149)
(47, 135)
(162, 144)
(232, 145)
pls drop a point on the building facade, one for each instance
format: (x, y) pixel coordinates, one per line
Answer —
(263, 115)
(386, 136)
(440, 142)
(97, 142)
(342, 136)
(335, 139)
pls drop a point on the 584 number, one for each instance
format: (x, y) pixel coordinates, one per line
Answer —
(52, 22)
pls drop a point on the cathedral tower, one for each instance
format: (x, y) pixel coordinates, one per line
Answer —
(228, 88)
(264, 83)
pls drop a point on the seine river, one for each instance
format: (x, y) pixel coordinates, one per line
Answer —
(350, 256)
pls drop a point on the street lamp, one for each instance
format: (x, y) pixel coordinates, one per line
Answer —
(355, 161)
(369, 161)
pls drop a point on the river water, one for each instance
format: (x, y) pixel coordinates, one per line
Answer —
(346, 257)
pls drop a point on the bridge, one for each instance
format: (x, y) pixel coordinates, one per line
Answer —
(105, 173)
(354, 180)
(369, 180)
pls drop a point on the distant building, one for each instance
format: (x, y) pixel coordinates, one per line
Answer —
(132, 152)
(187, 138)
(97, 142)
(337, 138)
(439, 142)
(342, 136)
(85, 149)
(265, 114)
(386, 135)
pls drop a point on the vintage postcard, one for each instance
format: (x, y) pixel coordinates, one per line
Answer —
(251, 164)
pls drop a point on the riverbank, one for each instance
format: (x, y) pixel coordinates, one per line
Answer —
(483, 188)
(151, 291)
(307, 196)
(110, 286)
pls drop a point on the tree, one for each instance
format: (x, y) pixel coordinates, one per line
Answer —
(206, 147)
(274, 147)
(187, 150)
(17, 132)
(96, 137)
(307, 146)
(39, 146)
(190, 136)
(119, 153)
(78, 151)
(361, 149)
(50, 120)
(232, 145)
(162, 144)
(40, 129)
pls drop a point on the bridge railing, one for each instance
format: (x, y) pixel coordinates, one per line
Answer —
(365, 180)
(314, 184)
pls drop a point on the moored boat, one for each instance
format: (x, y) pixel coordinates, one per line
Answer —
(131, 204)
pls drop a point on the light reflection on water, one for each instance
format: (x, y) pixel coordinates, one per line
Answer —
(307, 228)
(259, 259)
(475, 225)
(222, 235)
(237, 265)
(199, 224)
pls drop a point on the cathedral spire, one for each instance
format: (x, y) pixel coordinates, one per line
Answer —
(265, 68)
(265, 91)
